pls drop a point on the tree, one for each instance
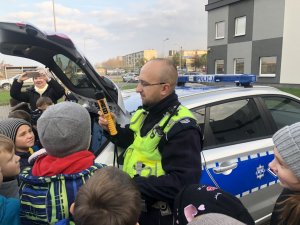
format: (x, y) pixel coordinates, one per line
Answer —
(203, 60)
(112, 63)
(139, 64)
(176, 59)
(200, 61)
(196, 63)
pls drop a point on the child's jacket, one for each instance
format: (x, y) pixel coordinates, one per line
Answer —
(9, 211)
(46, 200)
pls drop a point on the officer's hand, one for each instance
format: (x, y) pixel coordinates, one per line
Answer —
(103, 122)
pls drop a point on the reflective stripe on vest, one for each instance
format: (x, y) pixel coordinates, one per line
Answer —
(142, 157)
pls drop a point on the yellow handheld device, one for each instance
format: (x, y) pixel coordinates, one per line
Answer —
(106, 112)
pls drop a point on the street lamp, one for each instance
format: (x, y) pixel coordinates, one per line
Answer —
(163, 49)
(54, 19)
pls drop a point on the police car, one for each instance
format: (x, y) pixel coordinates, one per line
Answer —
(237, 122)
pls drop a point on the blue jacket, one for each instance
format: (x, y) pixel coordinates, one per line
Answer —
(9, 211)
(47, 200)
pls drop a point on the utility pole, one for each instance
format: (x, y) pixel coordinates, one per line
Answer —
(54, 19)
(180, 58)
(163, 50)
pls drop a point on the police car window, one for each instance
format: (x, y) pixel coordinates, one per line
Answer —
(199, 113)
(75, 74)
(284, 111)
(235, 121)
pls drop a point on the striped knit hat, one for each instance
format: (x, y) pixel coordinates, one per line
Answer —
(10, 126)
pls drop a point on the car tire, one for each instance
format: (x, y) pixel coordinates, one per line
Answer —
(6, 86)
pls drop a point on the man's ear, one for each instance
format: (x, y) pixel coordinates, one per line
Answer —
(72, 208)
(166, 89)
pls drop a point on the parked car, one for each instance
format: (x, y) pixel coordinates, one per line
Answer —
(130, 77)
(6, 83)
(237, 122)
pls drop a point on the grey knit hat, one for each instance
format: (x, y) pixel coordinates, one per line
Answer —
(213, 219)
(64, 128)
(9, 127)
(287, 142)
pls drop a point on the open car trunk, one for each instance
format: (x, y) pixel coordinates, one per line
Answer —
(58, 53)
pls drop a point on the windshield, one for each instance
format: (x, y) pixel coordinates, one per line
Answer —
(75, 74)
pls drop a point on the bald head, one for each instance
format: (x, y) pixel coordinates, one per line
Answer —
(164, 70)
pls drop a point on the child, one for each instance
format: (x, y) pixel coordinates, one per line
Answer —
(20, 114)
(43, 103)
(196, 200)
(20, 132)
(65, 132)
(286, 165)
(110, 197)
(9, 167)
(17, 105)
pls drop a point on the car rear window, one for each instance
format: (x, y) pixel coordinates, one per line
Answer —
(284, 111)
(235, 121)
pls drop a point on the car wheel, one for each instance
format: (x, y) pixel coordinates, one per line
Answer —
(6, 86)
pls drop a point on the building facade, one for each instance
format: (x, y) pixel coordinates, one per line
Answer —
(134, 60)
(188, 56)
(11, 71)
(254, 36)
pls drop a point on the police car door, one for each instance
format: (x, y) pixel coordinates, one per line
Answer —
(237, 150)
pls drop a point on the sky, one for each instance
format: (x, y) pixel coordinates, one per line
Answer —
(104, 29)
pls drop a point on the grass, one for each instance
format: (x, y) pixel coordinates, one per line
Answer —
(4, 95)
(293, 91)
(128, 86)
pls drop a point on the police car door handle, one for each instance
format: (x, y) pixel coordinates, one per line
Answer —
(222, 169)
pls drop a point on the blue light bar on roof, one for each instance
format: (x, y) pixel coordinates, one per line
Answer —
(243, 79)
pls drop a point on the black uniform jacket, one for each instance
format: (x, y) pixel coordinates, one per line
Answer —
(54, 91)
(181, 158)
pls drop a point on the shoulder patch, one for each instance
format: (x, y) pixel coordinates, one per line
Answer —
(185, 121)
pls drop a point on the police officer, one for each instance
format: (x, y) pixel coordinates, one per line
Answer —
(162, 142)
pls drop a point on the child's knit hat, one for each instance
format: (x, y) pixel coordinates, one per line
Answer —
(214, 219)
(287, 142)
(9, 127)
(64, 128)
(197, 199)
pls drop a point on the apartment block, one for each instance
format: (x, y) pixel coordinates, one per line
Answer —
(254, 36)
(133, 60)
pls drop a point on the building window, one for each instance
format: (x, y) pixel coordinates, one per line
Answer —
(240, 26)
(220, 30)
(267, 66)
(219, 66)
(238, 66)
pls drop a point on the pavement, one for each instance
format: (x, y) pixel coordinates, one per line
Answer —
(4, 110)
